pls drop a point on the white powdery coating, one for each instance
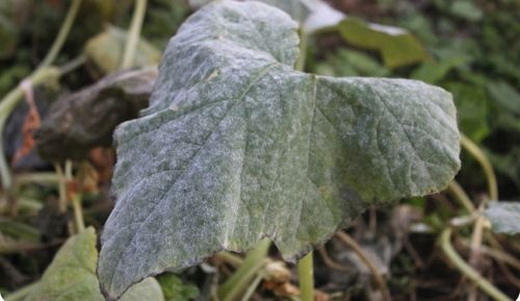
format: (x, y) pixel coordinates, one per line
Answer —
(237, 146)
(504, 217)
(391, 30)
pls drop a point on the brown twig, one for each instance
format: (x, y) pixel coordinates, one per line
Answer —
(380, 282)
(329, 261)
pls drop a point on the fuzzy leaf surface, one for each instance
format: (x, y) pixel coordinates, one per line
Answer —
(504, 217)
(236, 146)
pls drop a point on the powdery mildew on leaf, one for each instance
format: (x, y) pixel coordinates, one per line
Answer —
(237, 146)
(504, 217)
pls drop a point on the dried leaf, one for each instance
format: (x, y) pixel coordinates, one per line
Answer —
(87, 119)
(30, 126)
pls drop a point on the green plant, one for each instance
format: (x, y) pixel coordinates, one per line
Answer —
(71, 276)
(237, 146)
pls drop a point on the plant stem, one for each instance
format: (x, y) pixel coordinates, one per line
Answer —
(41, 74)
(467, 270)
(62, 35)
(458, 192)
(498, 252)
(62, 188)
(78, 212)
(329, 261)
(74, 196)
(300, 63)
(134, 33)
(482, 159)
(36, 177)
(474, 251)
(253, 262)
(22, 205)
(7, 105)
(373, 269)
(73, 64)
(306, 277)
(19, 230)
(252, 287)
(230, 258)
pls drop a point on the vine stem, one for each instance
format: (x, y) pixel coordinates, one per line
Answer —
(134, 34)
(230, 258)
(75, 197)
(38, 177)
(62, 35)
(306, 277)
(345, 238)
(8, 104)
(62, 188)
(482, 159)
(478, 229)
(458, 192)
(467, 270)
(254, 261)
(252, 287)
(41, 74)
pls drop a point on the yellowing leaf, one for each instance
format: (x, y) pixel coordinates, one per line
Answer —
(106, 51)
(397, 46)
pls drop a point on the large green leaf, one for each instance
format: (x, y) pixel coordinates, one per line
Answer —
(72, 275)
(237, 146)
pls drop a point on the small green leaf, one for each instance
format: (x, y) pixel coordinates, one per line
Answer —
(397, 46)
(175, 290)
(105, 51)
(466, 9)
(146, 290)
(352, 63)
(472, 105)
(237, 146)
(504, 217)
(505, 96)
(72, 275)
(433, 72)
